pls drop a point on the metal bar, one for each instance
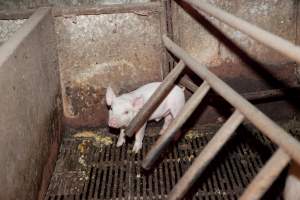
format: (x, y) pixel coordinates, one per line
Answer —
(108, 9)
(154, 101)
(86, 10)
(269, 39)
(259, 119)
(267, 95)
(16, 14)
(273, 93)
(206, 155)
(164, 29)
(170, 132)
(186, 82)
(250, 96)
(264, 179)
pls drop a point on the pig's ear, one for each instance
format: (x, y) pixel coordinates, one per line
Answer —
(138, 102)
(110, 95)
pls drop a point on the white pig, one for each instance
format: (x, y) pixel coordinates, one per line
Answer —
(125, 107)
(292, 184)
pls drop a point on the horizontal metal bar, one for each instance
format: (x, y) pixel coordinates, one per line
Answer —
(250, 96)
(272, 93)
(259, 119)
(154, 101)
(271, 40)
(267, 175)
(85, 10)
(265, 95)
(108, 9)
(175, 125)
(206, 155)
(186, 82)
(16, 14)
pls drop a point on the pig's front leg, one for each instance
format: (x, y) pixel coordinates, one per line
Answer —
(121, 139)
(139, 136)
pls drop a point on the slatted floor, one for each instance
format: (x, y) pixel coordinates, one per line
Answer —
(106, 172)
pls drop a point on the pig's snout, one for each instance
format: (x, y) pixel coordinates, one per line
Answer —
(113, 123)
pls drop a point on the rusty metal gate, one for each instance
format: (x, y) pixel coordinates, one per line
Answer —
(289, 147)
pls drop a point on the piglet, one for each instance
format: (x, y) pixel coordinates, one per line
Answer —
(292, 184)
(125, 107)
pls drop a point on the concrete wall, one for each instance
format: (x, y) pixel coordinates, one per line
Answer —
(119, 46)
(243, 63)
(8, 28)
(17, 4)
(227, 56)
(122, 50)
(29, 85)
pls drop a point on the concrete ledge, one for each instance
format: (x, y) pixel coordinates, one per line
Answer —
(29, 85)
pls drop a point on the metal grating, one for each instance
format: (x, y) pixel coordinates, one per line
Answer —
(106, 172)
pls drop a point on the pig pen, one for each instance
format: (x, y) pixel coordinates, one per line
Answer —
(57, 62)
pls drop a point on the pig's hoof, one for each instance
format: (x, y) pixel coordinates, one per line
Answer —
(120, 142)
(137, 147)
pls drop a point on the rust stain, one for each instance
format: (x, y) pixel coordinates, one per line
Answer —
(122, 50)
(87, 104)
(55, 130)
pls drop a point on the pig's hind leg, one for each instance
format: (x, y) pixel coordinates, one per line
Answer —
(139, 136)
(175, 111)
(168, 119)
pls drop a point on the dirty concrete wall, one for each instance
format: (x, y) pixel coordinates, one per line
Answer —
(23, 4)
(122, 50)
(8, 28)
(93, 2)
(243, 63)
(196, 34)
(29, 85)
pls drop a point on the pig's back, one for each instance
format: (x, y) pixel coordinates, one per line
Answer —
(174, 98)
(146, 90)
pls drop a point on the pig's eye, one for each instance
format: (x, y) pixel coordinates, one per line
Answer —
(126, 112)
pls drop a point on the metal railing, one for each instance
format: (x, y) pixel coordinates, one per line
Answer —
(289, 147)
